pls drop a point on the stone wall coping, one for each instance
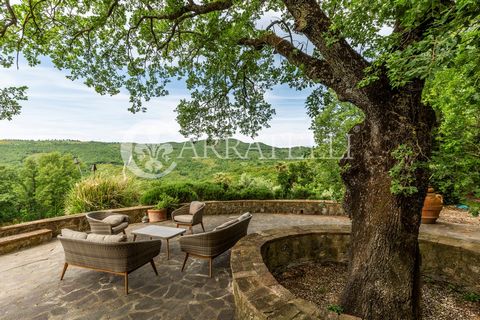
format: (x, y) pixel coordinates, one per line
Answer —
(21, 227)
(26, 235)
(66, 217)
(260, 296)
(276, 200)
(24, 240)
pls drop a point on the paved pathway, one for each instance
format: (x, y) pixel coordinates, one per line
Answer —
(30, 286)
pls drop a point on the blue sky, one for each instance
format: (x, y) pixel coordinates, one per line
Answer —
(59, 108)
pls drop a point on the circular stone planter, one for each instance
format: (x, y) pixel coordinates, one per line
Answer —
(258, 295)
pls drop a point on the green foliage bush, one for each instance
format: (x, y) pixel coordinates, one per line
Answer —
(9, 205)
(310, 179)
(255, 193)
(474, 208)
(210, 191)
(100, 193)
(246, 188)
(166, 202)
(302, 192)
(181, 191)
(471, 297)
(37, 189)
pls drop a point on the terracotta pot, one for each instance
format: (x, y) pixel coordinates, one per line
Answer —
(155, 215)
(432, 206)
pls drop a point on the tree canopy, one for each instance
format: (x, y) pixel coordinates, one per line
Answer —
(231, 52)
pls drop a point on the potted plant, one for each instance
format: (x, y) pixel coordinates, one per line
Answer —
(159, 212)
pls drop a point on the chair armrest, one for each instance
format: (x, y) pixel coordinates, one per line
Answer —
(198, 216)
(181, 211)
(214, 243)
(198, 244)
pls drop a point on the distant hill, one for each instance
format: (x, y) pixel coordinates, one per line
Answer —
(15, 151)
(195, 161)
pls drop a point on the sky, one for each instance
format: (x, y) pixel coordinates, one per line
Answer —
(58, 108)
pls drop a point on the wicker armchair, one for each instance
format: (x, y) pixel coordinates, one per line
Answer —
(98, 226)
(189, 215)
(119, 258)
(210, 245)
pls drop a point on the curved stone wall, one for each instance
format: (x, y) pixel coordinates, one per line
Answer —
(258, 295)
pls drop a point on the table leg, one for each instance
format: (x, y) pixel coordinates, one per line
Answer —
(168, 250)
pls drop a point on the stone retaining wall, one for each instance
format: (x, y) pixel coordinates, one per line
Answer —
(258, 295)
(74, 221)
(314, 207)
(79, 222)
(24, 240)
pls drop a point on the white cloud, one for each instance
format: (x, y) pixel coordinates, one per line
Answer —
(61, 109)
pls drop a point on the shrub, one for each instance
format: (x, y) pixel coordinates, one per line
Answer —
(474, 208)
(204, 191)
(302, 192)
(166, 202)
(182, 191)
(209, 191)
(472, 297)
(257, 193)
(222, 179)
(100, 193)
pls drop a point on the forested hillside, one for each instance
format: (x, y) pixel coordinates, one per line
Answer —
(15, 151)
(41, 179)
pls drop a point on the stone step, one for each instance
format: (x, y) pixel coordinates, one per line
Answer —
(24, 240)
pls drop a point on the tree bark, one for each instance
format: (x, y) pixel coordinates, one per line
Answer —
(384, 265)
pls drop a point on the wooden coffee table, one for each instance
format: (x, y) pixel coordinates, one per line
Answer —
(165, 233)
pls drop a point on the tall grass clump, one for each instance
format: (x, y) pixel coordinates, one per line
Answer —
(101, 193)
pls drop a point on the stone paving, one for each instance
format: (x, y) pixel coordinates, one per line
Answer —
(30, 286)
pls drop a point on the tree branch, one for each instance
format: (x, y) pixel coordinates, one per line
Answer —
(315, 69)
(347, 65)
(188, 11)
(12, 21)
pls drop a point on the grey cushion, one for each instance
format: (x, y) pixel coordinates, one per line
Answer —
(195, 206)
(71, 234)
(244, 216)
(115, 219)
(106, 238)
(187, 218)
(120, 227)
(226, 224)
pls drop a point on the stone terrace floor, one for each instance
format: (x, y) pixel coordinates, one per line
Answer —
(30, 286)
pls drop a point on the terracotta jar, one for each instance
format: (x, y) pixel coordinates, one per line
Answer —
(432, 206)
(156, 215)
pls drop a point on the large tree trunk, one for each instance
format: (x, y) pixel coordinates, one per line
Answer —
(384, 266)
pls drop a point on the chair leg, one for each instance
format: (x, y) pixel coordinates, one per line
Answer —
(201, 223)
(210, 267)
(153, 266)
(126, 282)
(65, 266)
(185, 261)
(124, 232)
